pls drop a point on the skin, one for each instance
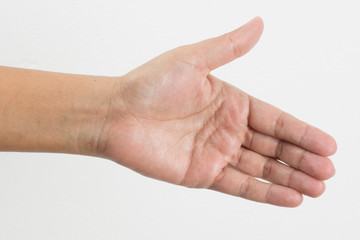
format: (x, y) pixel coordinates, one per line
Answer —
(170, 119)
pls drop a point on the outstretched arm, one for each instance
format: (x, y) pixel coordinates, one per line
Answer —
(172, 120)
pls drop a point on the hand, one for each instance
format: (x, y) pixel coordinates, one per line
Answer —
(184, 126)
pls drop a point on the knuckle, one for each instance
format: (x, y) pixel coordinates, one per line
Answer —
(251, 139)
(244, 187)
(267, 169)
(279, 124)
(233, 46)
(218, 178)
(291, 178)
(279, 149)
(268, 194)
(239, 158)
(302, 157)
(303, 136)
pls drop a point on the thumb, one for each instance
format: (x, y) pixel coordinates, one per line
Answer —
(215, 52)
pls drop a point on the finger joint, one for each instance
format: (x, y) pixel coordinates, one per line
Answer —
(267, 168)
(244, 187)
(279, 124)
(279, 149)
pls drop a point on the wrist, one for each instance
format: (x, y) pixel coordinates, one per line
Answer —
(112, 114)
(54, 112)
(91, 115)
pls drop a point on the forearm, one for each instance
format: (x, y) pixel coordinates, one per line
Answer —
(52, 112)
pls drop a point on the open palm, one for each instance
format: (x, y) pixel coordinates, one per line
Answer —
(178, 123)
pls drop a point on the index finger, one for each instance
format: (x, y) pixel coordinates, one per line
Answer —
(272, 121)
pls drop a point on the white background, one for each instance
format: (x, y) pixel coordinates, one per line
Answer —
(306, 63)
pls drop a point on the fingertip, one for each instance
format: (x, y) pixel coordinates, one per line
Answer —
(296, 200)
(215, 52)
(331, 146)
(286, 197)
(328, 145)
(332, 170)
(259, 21)
(327, 170)
(256, 25)
(319, 167)
(318, 189)
(319, 142)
